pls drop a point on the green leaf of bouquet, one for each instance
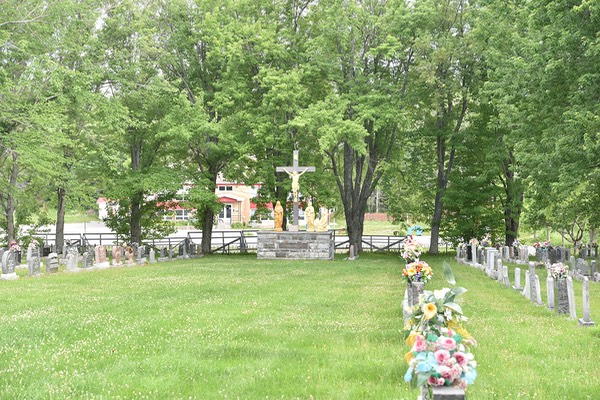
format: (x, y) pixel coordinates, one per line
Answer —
(458, 290)
(432, 338)
(421, 379)
(448, 274)
(457, 338)
(454, 307)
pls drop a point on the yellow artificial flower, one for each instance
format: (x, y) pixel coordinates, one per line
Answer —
(429, 311)
(411, 271)
(409, 356)
(410, 340)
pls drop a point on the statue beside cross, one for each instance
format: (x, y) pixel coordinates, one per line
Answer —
(295, 172)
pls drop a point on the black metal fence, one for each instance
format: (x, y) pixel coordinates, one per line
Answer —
(225, 241)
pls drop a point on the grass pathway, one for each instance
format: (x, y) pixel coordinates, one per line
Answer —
(226, 327)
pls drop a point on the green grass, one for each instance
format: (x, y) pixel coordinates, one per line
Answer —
(232, 327)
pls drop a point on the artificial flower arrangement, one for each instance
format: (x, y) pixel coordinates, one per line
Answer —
(411, 249)
(559, 270)
(440, 346)
(418, 271)
(485, 242)
(544, 245)
(474, 241)
(440, 360)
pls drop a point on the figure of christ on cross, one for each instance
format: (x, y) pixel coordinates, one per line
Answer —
(295, 172)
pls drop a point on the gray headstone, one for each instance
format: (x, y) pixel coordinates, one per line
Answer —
(571, 296)
(561, 296)
(517, 285)
(87, 260)
(9, 262)
(52, 263)
(72, 259)
(550, 291)
(583, 267)
(414, 290)
(586, 320)
(500, 270)
(538, 291)
(152, 256)
(572, 262)
(33, 259)
(527, 289)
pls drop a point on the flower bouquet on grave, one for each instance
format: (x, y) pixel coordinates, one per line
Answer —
(474, 241)
(417, 271)
(485, 242)
(411, 249)
(558, 271)
(443, 360)
(434, 325)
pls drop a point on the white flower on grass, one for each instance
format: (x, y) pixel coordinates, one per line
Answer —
(441, 294)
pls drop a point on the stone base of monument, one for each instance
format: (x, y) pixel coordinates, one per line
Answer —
(295, 245)
(583, 322)
(9, 277)
(102, 265)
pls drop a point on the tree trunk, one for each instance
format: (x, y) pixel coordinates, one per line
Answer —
(209, 217)
(443, 171)
(135, 225)
(355, 226)
(10, 200)
(514, 201)
(207, 230)
(10, 218)
(438, 205)
(60, 219)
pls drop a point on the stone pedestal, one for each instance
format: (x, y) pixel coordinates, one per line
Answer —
(442, 393)
(295, 245)
(413, 290)
(561, 296)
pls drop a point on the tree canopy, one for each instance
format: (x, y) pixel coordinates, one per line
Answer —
(474, 116)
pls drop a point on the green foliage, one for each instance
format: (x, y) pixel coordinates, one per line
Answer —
(152, 224)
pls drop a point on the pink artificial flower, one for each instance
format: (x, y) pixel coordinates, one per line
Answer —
(441, 356)
(446, 372)
(441, 381)
(448, 343)
(420, 344)
(461, 358)
(462, 385)
(433, 381)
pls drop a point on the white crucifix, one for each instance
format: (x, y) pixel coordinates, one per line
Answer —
(295, 172)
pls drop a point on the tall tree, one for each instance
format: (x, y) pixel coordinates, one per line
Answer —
(357, 122)
(138, 102)
(447, 69)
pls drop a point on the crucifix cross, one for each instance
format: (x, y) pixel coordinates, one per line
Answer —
(295, 172)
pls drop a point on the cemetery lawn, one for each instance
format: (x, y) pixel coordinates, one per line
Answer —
(233, 327)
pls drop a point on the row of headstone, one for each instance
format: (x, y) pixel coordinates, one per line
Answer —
(121, 255)
(581, 268)
(560, 294)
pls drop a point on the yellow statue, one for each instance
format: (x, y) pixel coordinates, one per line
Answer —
(295, 181)
(309, 215)
(278, 214)
(321, 223)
